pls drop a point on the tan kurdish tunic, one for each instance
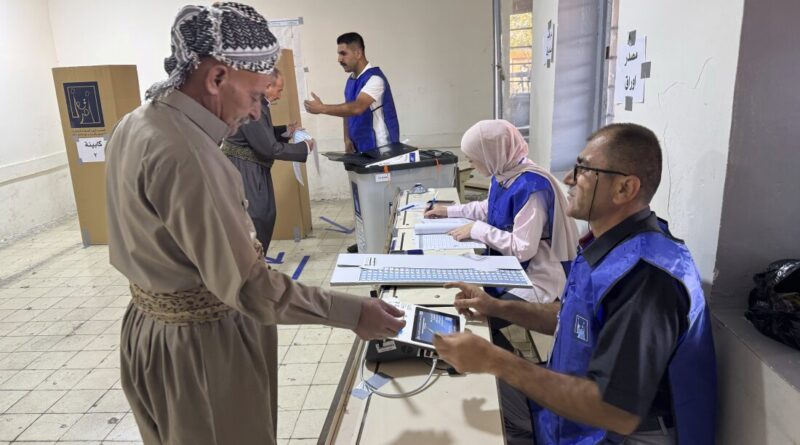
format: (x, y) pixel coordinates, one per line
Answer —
(178, 225)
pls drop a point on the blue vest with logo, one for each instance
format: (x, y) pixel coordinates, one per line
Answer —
(505, 203)
(692, 369)
(359, 127)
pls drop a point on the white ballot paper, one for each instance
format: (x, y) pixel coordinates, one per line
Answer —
(420, 270)
(300, 135)
(429, 226)
(298, 174)
(443, 241)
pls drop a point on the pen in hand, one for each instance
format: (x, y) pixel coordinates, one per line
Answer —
(432, 201)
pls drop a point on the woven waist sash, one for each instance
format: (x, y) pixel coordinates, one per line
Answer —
(243, 153)
(183, 307)
(196, 305)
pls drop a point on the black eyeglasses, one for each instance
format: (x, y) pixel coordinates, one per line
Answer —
(577, 167)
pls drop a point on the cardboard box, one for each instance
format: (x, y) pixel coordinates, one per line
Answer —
(291, 199)
(91, 100)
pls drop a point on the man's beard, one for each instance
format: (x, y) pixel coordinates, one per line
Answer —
(238, 124)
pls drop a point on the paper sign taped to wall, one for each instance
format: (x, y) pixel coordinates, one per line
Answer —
(548, 44)
(91, 149)
(629, 79)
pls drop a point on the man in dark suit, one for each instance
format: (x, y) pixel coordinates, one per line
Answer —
(253, 150)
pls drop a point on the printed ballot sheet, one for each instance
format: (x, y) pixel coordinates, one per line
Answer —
(436, 241)
(443, 241)
(439, 225)
(301, 135)
(409, 270)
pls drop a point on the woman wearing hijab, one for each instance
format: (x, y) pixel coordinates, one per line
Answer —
(524, 215)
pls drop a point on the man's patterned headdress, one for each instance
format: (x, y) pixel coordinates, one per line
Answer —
(233, 33)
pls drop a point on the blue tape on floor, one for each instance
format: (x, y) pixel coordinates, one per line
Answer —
(341, 228)
(377, 380)
(300, 267)
(277, 260)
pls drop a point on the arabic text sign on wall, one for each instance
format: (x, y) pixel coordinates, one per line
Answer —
(91, 149)
(549, 44)
(630, 56)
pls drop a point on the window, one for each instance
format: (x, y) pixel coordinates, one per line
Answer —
(516, 53)
(519, 53)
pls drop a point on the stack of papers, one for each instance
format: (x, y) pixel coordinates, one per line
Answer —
(429, 226)
(442, 241)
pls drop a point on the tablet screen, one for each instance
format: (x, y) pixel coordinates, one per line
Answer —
(428, 322)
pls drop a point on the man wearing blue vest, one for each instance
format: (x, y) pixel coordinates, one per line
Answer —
(370, 118)
(633, 359)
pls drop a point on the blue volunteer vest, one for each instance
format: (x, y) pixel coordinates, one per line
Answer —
(692, 369)
(359, 127)
(505, 203)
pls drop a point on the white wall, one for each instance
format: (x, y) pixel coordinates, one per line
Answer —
(437, 56)
(760, 385)
(35, 187)
(761, 211)
(693, 47)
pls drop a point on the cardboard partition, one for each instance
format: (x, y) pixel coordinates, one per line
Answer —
(291, 199)
(91, 100)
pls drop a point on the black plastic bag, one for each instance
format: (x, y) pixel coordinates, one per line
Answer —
(775, 302)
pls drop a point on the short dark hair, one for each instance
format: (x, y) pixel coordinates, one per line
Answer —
(351, 38)
(635, 150)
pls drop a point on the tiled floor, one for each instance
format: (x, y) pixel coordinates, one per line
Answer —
(60, 312)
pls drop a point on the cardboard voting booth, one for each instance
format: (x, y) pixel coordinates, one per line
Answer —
(291, 198)
(91, 100)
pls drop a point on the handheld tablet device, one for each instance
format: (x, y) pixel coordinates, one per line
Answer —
(422, 323)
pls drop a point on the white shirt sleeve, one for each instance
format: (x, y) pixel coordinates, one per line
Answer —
(374, 88)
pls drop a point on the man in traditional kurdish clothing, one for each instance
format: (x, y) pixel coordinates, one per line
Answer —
(253, 150)
(199, 348)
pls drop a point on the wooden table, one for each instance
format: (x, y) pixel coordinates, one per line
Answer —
(453, 409)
